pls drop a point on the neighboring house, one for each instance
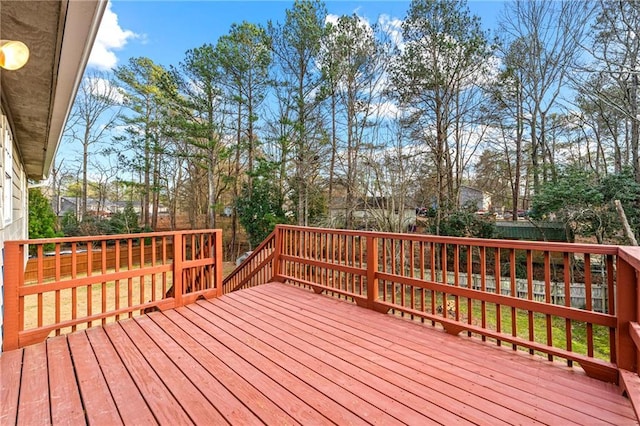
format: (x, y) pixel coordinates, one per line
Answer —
(65, 205)
(36, 99)
(472, 195)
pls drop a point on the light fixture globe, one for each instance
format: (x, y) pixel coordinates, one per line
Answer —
(13, 54)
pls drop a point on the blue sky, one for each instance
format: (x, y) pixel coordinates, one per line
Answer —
(165, 30)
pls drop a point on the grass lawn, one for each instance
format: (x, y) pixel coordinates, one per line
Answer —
(601, 346)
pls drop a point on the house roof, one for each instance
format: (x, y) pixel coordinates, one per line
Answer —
(38, 97)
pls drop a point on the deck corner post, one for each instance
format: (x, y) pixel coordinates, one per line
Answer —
(219, 262)
(178, 254)
(372, 271)
(277, 251)
(13, 265)
(626, 312)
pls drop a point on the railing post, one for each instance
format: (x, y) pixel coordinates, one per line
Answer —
(13, 265)
(626, 312)
(219, 263)
(277, 250)
(372, 269)
(177, 268)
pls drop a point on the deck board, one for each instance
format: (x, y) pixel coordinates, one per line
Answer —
(241, 389)
(131, 405)
(410, 387)
(448, 348)
(273, 385)
(277, 354)
(263, 359)
(161, 402)
(498, 364)
(230, 408)
(10, 373)
(466, 370)
(34, 388)
(327, 379)
(97, 400)
(66, 406)
(375, 376)
(191, 400)
(487, 408)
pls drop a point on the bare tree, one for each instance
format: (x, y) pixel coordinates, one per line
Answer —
(543, 41)
(389, 175)
(95, 112)
(60, 176)
(613, 83)
(355, 61)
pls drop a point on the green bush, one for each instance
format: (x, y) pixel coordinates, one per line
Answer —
(260, 205)
(124, 222)
(42, 219)
(467, 223)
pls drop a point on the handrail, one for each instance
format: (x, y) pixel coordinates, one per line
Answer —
(94, 280)
(494, 243)
(577, 302)
(258, 268)
(628, 330)
(558, 299)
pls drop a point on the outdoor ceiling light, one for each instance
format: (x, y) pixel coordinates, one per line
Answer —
(13, 54)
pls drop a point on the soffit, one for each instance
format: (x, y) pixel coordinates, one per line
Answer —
(37, 98)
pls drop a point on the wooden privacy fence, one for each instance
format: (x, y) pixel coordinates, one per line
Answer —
(577, 291)
(575, 302)
(66, 261)
(110, 277)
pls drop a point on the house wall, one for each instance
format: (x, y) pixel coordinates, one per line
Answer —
(481, 199)
(13, 200)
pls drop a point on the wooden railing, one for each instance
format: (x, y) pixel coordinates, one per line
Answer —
(110, 277)
(628, 318)
(574, 302)
(256, 269)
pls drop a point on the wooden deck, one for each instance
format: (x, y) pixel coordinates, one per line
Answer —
(277, 354)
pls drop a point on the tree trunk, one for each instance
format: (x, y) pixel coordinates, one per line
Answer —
(211, 195)
(85, 163)
(334, 142)
(234, 246)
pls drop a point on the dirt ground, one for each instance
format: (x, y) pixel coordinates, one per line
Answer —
(227, 268)
(141, 289)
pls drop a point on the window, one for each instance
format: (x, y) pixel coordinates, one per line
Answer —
(7, 184)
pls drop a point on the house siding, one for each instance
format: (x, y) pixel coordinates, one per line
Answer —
(481, 199)
(16, 226)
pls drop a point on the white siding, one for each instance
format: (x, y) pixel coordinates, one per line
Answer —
(13, 186)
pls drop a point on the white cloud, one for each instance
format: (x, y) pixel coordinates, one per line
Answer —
(111, 37)
(104, 88)
(332, 19)
(393, 28)
(384, 110)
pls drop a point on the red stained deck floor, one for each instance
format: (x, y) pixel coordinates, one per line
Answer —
(277, 354)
